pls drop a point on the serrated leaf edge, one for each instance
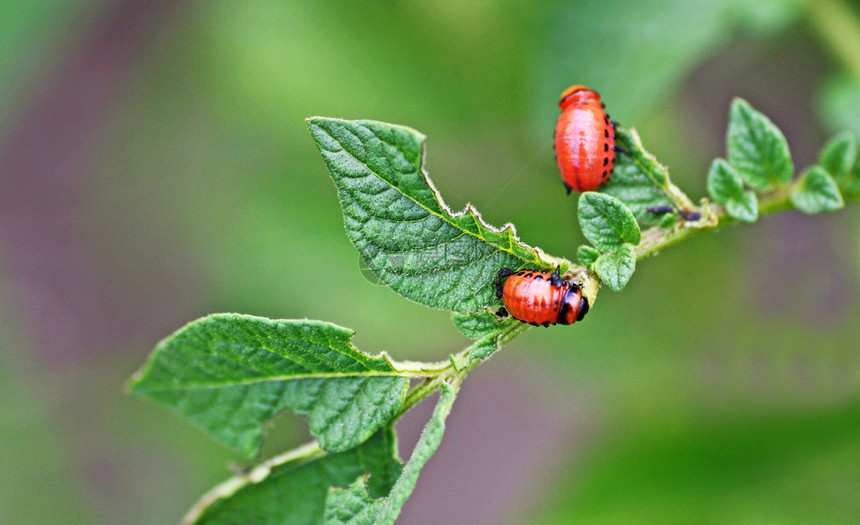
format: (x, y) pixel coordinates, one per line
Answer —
(508, 229)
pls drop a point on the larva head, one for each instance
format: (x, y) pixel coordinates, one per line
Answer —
(576, 92)
(574, 306)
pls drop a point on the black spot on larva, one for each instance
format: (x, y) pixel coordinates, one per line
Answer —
(606, 133)
(605, 161)
(538, 277)
(528, 276)
(605, 146)
(605, 174)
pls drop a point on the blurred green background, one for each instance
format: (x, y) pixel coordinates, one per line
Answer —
(155, 167)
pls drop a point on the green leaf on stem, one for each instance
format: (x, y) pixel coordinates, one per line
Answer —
(293, 488)
(724, 183)
(616, 268)
(479, 324)
(743, 208)
(231, 374)
(757, 148)
(838, 155)
(405, 233)
(485, 327)
(638, 180)
(816, 191)
(606, 222)
(363, 509)
(725, 186)
(587, 255)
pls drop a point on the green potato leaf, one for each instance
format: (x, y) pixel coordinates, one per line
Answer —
(757, 148)
(293, 488)
(816, 191)
(357, 507)
(724, 183)
(402, 228)
(743, 208)
(479, 324)
(838, 155)
(231, 374)
(485, 328)
(616, 268)
(352, 505)
(606, 222)
(587, 255)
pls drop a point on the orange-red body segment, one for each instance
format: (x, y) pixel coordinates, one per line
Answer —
(531, 297)
(584, 140)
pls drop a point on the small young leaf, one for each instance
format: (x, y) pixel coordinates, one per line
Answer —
(816, 191)
(757, 148)
(616, 268)
(231, 374)
(743, 208)
(606, 221)
(587, 255)
(427, 444)
(479, 324)
(638, 180)
(724, 183)
(293, 487)
(405, 233)
(839, 154)
(483, 326)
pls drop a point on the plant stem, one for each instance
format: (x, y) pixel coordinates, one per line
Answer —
(656, 239)
(419, 369)
(510, 332)
(653, 241)
(417, 394)
(307, 452)
(436, 373)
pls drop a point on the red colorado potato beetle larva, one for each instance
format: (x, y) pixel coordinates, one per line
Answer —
(540, 298)
(584, 140)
